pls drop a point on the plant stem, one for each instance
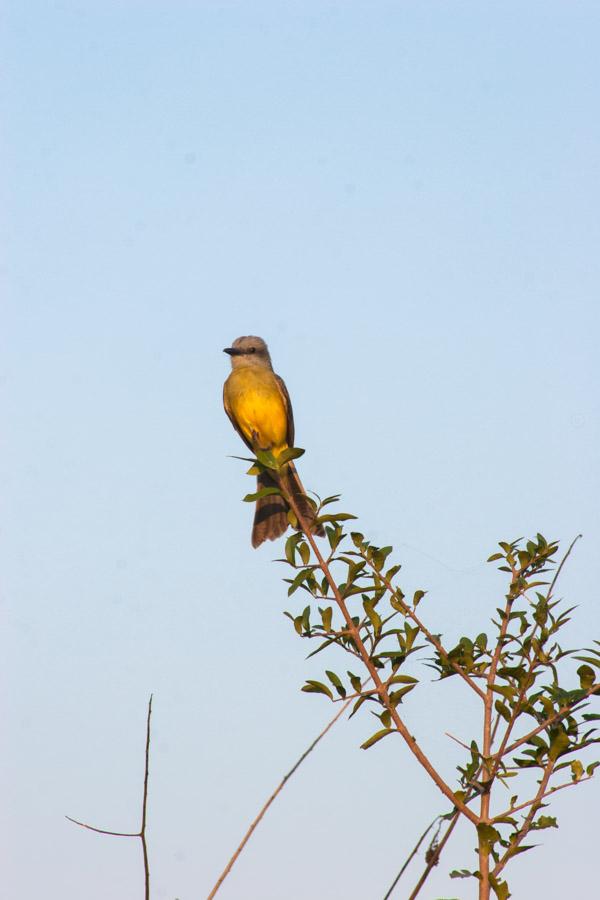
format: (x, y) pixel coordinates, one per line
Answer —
(373, 672)
(433, 640)
(273, 796)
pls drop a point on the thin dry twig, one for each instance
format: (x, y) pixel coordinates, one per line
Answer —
(411, 856)
(141, 834)
(435, 856)
(273, 796)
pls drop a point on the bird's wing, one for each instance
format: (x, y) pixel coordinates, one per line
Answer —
(233, 421)
(288, 408)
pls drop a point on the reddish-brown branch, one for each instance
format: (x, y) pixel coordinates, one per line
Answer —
(373, 672)
(484, 814)
(524, 830)
(433, 640)
(549, 793)
(560, 714)
(522, 693)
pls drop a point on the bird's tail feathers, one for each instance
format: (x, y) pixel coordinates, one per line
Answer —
(271, 512)
(291, 482)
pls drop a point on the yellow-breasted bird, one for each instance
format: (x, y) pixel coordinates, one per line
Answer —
(259, 407)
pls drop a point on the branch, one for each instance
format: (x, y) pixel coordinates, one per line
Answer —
(145, 805)
(141, 834)
(435, 856)
(562, 562)
(373, 672)
(275, 793)
(524, 830)
(103, 830)
(560, 714)
(433, 640)
(458, 741)
(484, 849)
(411, 856)
(559, 787)
(516, 709)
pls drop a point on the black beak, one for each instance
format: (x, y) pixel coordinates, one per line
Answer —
(233, 351)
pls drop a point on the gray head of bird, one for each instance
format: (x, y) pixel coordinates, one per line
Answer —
(248, 350)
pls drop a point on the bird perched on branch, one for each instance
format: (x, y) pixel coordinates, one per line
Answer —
(259, 407)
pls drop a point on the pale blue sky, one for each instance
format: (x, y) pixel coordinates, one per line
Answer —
(402, 199)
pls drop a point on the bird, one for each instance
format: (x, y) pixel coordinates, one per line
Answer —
(259, 408)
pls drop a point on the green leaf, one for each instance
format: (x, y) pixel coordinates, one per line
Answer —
(379, 557)
(488, 836)
(376, 737)
(355, 682)
(326, 616)
(586, 677)
(335, 680)
(374, 617)
(291, 453)
(545, 822)
(558, 744)
(290, 547)
(315, 687)
(507, 692)
(336, 517)
(304, 551)
(326, 643)
(503, 710)
(481, 642)
(462, 873)
(264, 492)
(357, 705)
(576, 770)
(500, 888)
(306, 618)
(386, 718)
(266, 459)
(396, 696)
(397, 601)
(302, 576)
(418, 596)
(335, 536)
(495, 556)
(588, 659)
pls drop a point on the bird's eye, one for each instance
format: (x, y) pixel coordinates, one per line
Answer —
(251, 349)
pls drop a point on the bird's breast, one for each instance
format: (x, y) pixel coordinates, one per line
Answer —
(258, 408)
